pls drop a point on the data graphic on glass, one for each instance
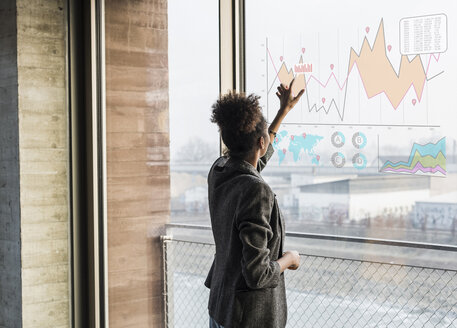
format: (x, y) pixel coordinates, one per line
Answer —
(370, 72)
(372, 83)
(429, 158)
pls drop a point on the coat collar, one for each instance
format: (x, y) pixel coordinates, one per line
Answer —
(241, 165)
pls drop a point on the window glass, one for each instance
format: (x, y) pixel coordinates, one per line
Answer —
(370, 149)
(194, 86)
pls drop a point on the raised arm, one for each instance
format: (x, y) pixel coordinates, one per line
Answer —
(287, 102)
(265, 158)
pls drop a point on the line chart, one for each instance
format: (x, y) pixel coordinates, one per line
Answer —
(371, 64)
(388, 75)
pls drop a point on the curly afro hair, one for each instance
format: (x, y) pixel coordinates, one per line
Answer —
(240, 122)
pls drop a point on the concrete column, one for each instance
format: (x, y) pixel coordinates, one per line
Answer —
(34, 188)
(10, 229)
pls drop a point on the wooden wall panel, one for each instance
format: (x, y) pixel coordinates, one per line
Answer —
(137, 158)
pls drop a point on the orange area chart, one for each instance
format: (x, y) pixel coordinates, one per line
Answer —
(376, 72)
(378, 75)
(286, 76)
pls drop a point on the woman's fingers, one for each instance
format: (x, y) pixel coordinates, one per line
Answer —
(297, 98)
(280, 92)
(287, 91)
(286, 97)
(283, 90)
(291, 83)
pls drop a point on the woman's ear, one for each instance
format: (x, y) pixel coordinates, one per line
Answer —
(262, 142)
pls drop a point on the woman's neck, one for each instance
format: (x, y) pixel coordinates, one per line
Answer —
(252, 158)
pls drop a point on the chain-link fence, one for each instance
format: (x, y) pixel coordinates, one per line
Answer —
(323, 292)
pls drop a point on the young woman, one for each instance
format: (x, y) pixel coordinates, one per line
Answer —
(246, 278)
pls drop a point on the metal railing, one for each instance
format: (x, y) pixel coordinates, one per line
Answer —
(352, 239)
(325, 291)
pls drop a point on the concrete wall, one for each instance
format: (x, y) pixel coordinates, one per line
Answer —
(138, 158)
(34, 167)
(43, 152)
(10, 251)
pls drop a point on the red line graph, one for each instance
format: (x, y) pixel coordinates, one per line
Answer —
(411, 73)
(332, 74)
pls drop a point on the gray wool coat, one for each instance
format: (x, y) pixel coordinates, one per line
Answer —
(246, 284)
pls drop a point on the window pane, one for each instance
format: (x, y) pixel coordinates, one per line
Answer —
(194, 86)
(370, 149)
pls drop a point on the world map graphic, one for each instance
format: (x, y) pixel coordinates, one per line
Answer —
(302, 146)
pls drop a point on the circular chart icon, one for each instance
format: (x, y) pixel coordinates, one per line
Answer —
(359, 140)
(338, 160)
(338, 139)
(359, 161)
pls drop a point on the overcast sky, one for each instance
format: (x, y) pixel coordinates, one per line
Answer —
(193, 56)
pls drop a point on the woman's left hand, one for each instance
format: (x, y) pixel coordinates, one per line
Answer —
(286, 98)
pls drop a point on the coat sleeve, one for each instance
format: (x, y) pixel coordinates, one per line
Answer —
(265, 158)
(209, 277)
(253, 223)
